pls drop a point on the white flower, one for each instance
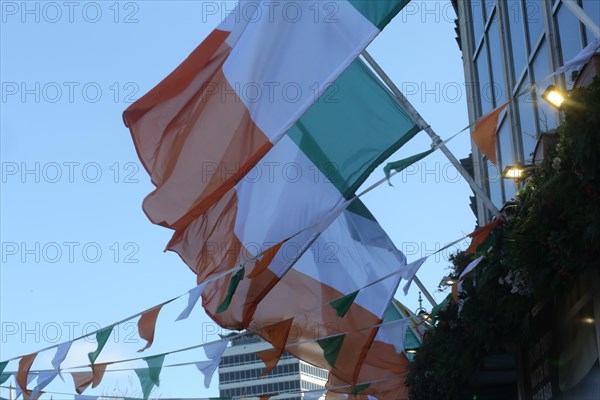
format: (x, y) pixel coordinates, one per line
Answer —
(556, 163)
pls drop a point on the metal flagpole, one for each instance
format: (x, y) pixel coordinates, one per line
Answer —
(425, 292)
(583, 17)
(403, 101)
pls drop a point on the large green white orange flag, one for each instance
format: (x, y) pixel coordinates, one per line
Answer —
(204, 126)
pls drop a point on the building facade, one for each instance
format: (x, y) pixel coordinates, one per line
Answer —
(240, 370)
(508, 45)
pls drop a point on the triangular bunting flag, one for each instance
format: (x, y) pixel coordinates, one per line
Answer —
(485, 133)
(233, 284)
(4, 378)
(155, 364)
(331, 348)
(3, 366)
(23, 372)
(83, 397)
(480, 235)
(147, 326)
(18, 391)
(343, 304)
(457, 287)
(270, 357)
(214, 351)
(193, 297)
(44, 378)
(61, 353)
(277, 334)
(145, 381)
(394, 333)
(82, 380)
(98, 371)
(409, 271)
(101, 337)
(266, 259)
(265, 396)
(401, 165)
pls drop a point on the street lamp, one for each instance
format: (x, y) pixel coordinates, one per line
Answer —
(554, 97)
(421, 312)
(518, 172)
(447, 281)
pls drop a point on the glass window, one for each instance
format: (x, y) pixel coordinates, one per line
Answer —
(527, 121)
(517, 36)
(569, 34)
(592, 8)
(506, 156)
(494, 184)
(496, 61)
(534, 11)
(485, 89)
(547, 115)
(477, 16)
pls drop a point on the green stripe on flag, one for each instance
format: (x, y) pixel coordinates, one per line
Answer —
(101, 337)
(331, 348)
(2, 366)
(401, 165)
(352, 128)
(358, 207)
(379, 12)
(343, 304)
(231, 288)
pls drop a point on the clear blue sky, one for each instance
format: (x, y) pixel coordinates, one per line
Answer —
(72, 185)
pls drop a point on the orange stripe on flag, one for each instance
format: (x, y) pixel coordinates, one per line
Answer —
(485, 134)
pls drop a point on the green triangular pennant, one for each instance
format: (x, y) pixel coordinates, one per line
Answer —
(401, 165)
(155, 364)
(145, 381)
(359, 388)
(331, 348)
(101, 337)
(4, 378)
(2, 366)
(343, 304)
(231, 288)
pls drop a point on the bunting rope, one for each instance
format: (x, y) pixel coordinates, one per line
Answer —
(331, 388)
(229, 338)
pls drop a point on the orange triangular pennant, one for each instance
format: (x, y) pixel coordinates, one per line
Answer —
(480, 235)
(277, 334)
(265, 396)
(147, 326)
(98, 373)
(270, 358)
(485, 134)
(267, 257)
(24, 367)
(82, 380)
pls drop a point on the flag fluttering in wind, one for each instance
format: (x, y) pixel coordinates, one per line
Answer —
(485, 133)
(204, 126)
(260, 188)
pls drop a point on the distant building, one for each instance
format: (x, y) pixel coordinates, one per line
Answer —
(240, 369)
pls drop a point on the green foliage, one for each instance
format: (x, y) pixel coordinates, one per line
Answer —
(548, 238)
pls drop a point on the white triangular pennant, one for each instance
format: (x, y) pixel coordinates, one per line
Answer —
(394, 333)
(194, 295)
(43, 380)
(409, 271)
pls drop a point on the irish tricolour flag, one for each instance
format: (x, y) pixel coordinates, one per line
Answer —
(257, 144)
(204, 126)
